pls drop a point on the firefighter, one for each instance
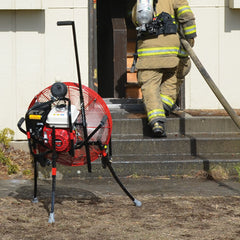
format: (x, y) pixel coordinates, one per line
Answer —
(158, 49)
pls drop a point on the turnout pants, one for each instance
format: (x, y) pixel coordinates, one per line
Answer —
(160, 89)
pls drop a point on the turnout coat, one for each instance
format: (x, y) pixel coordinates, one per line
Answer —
(163, 51)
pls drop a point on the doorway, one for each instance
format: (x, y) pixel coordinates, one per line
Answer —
(112, 36)
(116, 41)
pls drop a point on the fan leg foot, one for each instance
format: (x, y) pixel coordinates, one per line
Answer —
(35, 200)
(51, 218)
(137, 203)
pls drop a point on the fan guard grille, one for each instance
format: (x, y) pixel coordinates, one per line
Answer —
(95, 110)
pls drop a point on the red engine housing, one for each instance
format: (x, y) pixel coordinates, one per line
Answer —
(63, 137)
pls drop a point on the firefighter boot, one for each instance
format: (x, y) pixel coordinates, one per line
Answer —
(158, 129)
(168, 109)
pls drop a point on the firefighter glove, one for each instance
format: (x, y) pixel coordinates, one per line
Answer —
(191, 41)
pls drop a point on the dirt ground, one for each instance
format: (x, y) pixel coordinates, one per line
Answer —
(88, 214)
(111, 217)
(22, 159)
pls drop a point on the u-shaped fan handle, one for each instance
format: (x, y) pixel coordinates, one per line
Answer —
(63, 23)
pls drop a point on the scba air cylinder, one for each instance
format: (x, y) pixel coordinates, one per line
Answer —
(144, 11)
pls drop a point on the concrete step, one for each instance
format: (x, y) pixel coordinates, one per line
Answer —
(175, 126)
(192, 141)
(193, 144)
(138, 167)
(129, 117)
(171, 148)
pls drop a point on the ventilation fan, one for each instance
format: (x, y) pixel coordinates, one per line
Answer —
(69, 124)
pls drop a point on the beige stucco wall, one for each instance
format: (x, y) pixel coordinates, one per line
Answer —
(217, 47)
(35, 52)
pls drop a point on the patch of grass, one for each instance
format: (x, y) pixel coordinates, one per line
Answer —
(6, 135)
(11, 167)
(237, 168)
(219, 173)
(27, 172)
(135, 175)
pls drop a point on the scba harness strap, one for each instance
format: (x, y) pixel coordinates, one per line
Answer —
(162, 24)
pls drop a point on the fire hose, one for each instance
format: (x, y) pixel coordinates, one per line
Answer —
(211, 83)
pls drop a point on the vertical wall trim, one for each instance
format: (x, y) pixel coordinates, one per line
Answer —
(92, 43)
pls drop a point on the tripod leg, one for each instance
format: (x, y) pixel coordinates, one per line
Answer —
(35, 199)
(54, 171)
(51, 216)
(109, 165)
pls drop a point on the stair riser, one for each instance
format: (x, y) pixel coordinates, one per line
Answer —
(124, 169)
(184, 146)
(177, 126)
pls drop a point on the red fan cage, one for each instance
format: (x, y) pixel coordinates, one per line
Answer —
(95, 110)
